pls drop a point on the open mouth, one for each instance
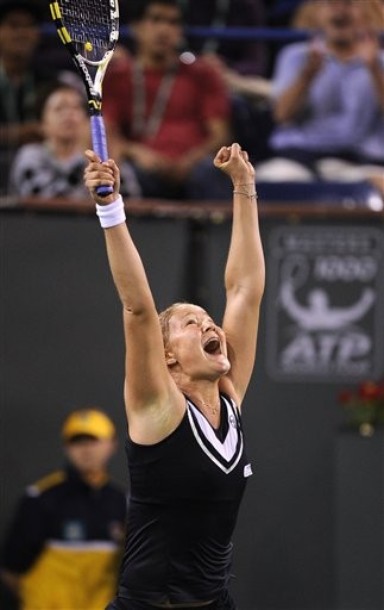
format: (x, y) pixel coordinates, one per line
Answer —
(212, 346)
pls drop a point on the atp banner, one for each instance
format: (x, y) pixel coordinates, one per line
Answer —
(325, 305)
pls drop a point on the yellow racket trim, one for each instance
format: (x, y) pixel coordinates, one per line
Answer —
(64, 35)
(55, 10)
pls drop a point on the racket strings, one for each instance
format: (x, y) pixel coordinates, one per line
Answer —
(89, 22)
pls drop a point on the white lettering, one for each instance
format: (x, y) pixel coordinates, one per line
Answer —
(353, 346)
(86, 74)
(346, 268)
(324, 352)
(301, 350)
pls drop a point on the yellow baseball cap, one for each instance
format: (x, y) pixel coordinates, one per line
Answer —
(88, 422)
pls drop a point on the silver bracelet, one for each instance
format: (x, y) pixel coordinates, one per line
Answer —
(249, 195)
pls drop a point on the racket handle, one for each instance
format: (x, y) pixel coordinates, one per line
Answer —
(99, 140)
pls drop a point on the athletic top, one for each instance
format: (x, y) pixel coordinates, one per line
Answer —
(185, 495)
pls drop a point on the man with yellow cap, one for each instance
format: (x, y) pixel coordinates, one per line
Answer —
(63, 547)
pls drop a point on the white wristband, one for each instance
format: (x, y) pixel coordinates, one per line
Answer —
(111, 214)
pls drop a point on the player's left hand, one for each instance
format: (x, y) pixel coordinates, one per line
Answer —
(234, 161)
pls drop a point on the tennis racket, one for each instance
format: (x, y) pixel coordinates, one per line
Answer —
(89, 29)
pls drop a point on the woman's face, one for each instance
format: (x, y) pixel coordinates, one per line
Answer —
(196, 344)
(64, 116)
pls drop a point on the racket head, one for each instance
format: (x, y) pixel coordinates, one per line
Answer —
(89, 29)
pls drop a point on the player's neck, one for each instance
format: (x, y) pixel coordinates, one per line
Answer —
(207, 400)
(204, 395)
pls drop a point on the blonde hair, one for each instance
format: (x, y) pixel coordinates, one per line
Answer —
(164, 318)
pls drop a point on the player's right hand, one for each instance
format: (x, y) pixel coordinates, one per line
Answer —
(98, 173)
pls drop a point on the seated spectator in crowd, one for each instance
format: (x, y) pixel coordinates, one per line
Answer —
(55, 166)
(167, 113)
(329, 99)
(63, 546)
(20, 79)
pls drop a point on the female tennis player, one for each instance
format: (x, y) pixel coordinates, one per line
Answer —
(186, 378)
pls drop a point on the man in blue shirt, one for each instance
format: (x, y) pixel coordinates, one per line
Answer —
(329, 93)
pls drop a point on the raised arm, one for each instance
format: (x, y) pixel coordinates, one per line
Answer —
(150, 393)
(244, 274)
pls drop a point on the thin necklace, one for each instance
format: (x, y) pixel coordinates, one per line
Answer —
(214, 410)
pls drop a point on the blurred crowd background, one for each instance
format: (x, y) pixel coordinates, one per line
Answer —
(299, 84)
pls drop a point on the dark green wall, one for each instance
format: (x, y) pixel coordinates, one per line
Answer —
(61, 347)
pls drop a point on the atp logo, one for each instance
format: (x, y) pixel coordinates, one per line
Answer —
(325, 303)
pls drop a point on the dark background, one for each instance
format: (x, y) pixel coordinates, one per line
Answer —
(61, 347)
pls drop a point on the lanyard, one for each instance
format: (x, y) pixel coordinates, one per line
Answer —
(147, 128)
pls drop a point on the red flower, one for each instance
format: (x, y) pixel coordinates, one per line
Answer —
(368, 390)
(364, 405)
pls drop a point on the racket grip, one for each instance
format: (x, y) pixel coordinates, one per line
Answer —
(99, 140)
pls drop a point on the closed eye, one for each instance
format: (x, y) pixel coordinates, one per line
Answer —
(191, 321)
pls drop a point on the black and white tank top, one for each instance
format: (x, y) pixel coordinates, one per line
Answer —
(184, 499)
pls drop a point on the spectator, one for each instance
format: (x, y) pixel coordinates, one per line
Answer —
(63, 547)
(167, 113)
(329, 99)
(20, 79)
(55, 166)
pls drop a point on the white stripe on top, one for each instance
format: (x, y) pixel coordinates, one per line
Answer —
(227, 448)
